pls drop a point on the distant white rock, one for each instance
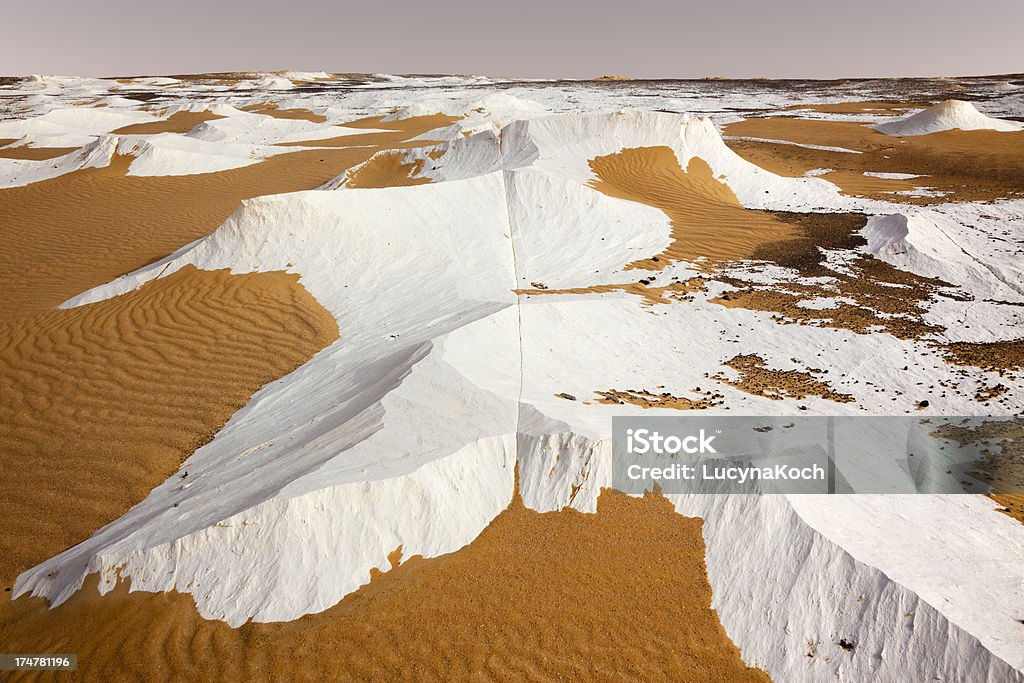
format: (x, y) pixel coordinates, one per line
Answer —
(947, 115)
(73, 126)
(892, 176)
(21, 172)
(305, 75)
(490, 112)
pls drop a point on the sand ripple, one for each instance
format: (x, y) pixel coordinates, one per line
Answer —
(707, 219)
(622, 594)
(100, 404)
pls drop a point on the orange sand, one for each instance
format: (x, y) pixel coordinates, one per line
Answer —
(86, 390)
(30, 153)
(650, 293)
(403, 132)
(618, 595)
(708, 222)
(1013, 504)
(178, 122)
(99, 404)
(271, 109)
(388, 169)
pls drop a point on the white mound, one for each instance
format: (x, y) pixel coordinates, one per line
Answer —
(21, 172)
(947, 115)
(72, 126)
(930, 243)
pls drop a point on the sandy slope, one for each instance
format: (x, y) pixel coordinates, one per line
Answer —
(708, 222)
(178, 122)
(154, 373)
(30, 153)
(273, 110)
(100, 404)
(556, 596)
(386, 169)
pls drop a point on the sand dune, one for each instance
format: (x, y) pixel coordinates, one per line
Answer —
(178, 122)
(708, 222)
(387, 169)
(278, 113)
(556, 596)
(101, 403)
(404, 132)
(75, 231)
(231, 334)
(30, 153)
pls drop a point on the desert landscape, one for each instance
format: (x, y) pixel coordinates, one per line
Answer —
(310, 375)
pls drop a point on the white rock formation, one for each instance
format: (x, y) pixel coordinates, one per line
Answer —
(946, 115)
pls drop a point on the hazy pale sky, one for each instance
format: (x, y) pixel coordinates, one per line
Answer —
(528, 38)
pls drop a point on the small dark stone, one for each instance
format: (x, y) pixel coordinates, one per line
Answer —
(567, 397)
(923, 404)
(847, 645)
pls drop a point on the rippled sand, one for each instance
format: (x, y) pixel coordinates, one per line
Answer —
(707, 220)
(100, 404)
(554, 596)
(388, 169)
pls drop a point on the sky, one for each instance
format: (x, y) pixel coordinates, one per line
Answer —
(520, 38)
